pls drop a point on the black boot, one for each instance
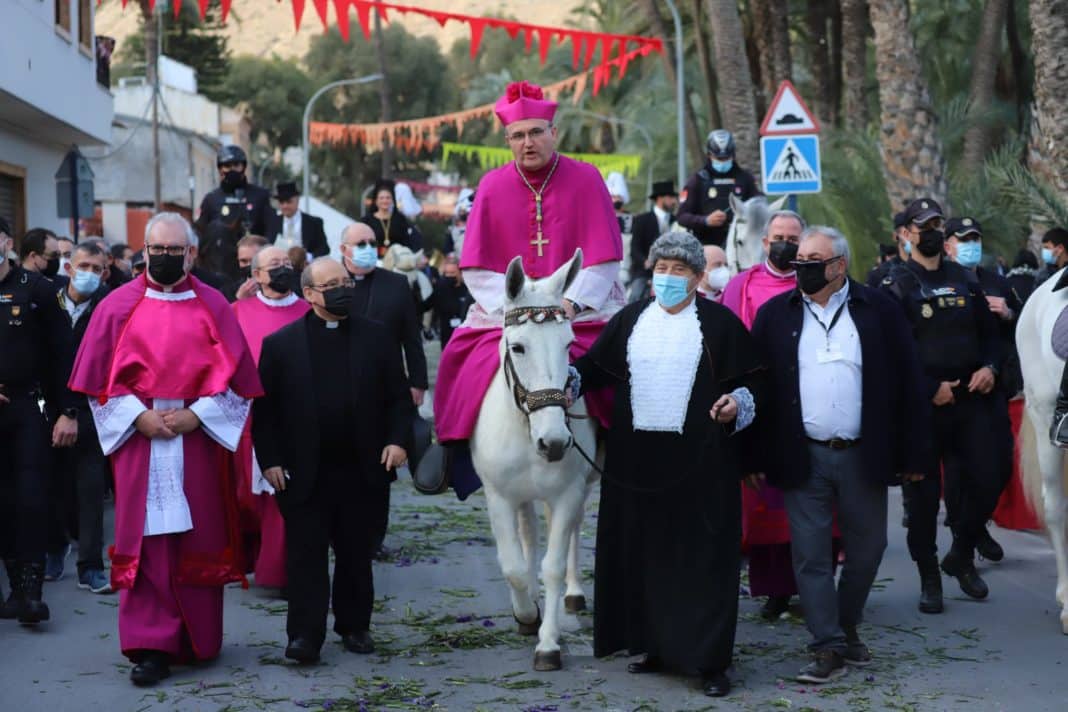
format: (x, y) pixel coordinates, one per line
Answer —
(930, 586)
(1058, 430)
(33, 610)
(10, 608)
(960, 564)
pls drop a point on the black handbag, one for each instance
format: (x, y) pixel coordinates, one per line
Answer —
(431, 476)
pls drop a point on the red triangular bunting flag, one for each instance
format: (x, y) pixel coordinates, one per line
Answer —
(477, 26)
(341, 8)
(528, 39)
(512, 28)
(545, 40)
(298, 11)
(320, 9)
(591, 47)
(203, 7)
(225, 4)
(576, 49)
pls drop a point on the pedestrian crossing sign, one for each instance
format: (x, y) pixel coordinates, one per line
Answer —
(790, 164)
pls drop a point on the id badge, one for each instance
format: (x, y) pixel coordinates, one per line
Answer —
(830, 353)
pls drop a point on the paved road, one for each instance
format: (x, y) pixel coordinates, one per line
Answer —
(446, 641)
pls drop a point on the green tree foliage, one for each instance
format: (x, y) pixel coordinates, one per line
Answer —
(189, 40)
(273, 92)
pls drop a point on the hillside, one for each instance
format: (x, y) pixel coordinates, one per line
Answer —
(265, 27)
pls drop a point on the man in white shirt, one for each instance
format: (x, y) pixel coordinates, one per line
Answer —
(832, 347)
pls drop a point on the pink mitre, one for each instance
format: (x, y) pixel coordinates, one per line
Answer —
(523, 100)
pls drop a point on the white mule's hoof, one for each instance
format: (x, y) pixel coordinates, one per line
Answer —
(547, 662)
(574, 604)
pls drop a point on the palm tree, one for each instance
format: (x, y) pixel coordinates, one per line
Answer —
(854, 62)
(1049, 40)
(913, 159)
(736, 99)
(985, 59)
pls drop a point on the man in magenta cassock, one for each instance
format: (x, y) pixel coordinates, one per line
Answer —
(542, 206)
(169, 379)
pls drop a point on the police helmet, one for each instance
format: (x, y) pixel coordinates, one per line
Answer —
(231, 154)
(720, 144)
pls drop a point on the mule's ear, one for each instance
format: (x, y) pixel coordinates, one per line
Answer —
(562, 278)
(514, 278)
(777, 205)
(736, 205)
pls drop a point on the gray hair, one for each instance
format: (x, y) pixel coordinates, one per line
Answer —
(306, 278)
(172, 219)
(839, 244)
(681, 246)
(784, 214)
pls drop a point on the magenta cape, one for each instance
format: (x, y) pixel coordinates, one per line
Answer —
(576, 211)
(260, 519)
(749, 290)
(476, 353)
(182, 350)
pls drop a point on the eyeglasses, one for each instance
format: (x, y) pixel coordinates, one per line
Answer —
(333, 284)
(172, 250)
(798, 264)
(521, 136)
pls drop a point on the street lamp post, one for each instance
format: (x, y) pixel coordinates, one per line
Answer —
(624, 122)
(680, 96)
(307, 115)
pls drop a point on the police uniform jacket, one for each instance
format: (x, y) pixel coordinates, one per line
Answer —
(708, 191)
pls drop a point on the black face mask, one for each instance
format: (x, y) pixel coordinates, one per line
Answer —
(338, 300)
(617, 204)
(931, 242)
(166, 269)
(812, 276)
(51, 268)
(244, 272)
(281, 279)
(232, 180)
(781, 253)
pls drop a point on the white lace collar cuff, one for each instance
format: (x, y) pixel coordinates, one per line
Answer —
(285, 301)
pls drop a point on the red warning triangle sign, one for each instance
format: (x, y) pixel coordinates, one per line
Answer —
(788, 114)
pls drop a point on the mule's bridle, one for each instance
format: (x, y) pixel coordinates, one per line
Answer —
(526, 400)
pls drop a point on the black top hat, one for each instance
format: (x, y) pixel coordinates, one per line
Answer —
(285, 191)
(663, 187)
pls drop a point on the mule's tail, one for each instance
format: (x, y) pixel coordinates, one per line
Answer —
(1030, 472)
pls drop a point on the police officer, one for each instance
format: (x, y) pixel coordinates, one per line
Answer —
(706, 211)
(235, 209)
(964, 245)
(879, 273)
(961, 352)
(36, 355)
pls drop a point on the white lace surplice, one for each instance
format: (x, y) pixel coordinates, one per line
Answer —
(221, 416)
(663, 353)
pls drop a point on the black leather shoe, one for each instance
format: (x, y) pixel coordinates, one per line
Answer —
(153, 668)
(963, 569)
(774, 607)
(646, 665)
(33, 610)
(988, 548)
(302, 650)
(716, 685)
(930, 586)
(361, 642)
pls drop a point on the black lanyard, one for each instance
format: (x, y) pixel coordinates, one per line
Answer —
(834, 320)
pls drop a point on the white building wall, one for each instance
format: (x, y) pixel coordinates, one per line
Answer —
(113, 217)
(41, 161)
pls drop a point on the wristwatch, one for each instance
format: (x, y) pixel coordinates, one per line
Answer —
(71, 413)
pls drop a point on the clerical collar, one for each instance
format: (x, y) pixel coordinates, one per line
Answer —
(285, 301)
(536, 177)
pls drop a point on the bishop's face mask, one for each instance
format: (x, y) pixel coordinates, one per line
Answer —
(781, 254)
(166, 269)
(281, 279)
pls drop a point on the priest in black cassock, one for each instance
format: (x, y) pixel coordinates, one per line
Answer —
(687, 383)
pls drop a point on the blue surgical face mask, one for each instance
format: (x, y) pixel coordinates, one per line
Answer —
(908, 247)
(722, 166)
(671, 290)
(365, 256)
(969, 254)
(85, 282)
(1047, 256)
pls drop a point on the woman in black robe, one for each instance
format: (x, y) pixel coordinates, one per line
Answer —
(687, 386)
(390, 225)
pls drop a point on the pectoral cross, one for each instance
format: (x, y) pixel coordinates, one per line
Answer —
(538, 241)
